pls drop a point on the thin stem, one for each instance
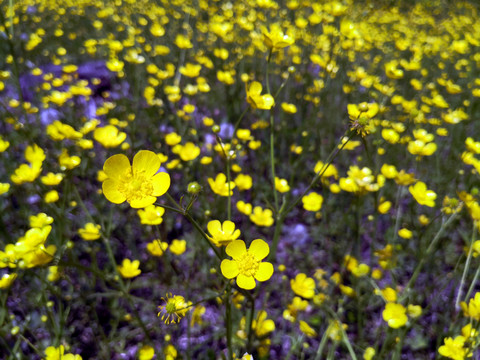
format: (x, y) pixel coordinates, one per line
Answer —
(229, 198)
(467, 267)
(321, 346)
(428, 252)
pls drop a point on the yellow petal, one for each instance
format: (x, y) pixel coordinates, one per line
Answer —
(214, 227)
(161, 183)
(116, 166)
(110, 190)
(246, 282)
(236, 249)
(255, 88)
(259, 248)
(143, 202)
(146, 161)
(228, 227)
(229, 268)
(264, 272)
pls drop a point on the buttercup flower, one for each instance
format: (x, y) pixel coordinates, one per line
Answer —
(247, 265)
(257, 101)
(303, 286)
(395, 315)
(423, 196)
(90, 231)
(220, 186)
(139, 184)
(129, 269)
(222, 234)
(275, 38)
(174, 308)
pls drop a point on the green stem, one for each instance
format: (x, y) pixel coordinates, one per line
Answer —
(467, 267)
(228, 313)
(428, 252)
(321, 346)
(229, 198)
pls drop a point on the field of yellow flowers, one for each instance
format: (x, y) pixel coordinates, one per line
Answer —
(259, 179)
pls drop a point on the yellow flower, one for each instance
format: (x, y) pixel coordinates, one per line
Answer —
(109, 136)
(307, 329)
(243, 182)
(68, 162)
(244, 208)
(405, 233)
(90, 232)
(34, 154)
(4, 187)
(247, 265)
(151, 215)
(261, 217)
(453, 348)
(275, 38)
(53, 353)
(257, 101)
(303, 286)
(40, 220)
(312, 201)
(26, 173)
(369, 353)
(146, 352)
(7, 280)
(423, 196)
(334, 330)
(129, 269)
(222, 234)
(297, 304)
(187, 152)
(51, 196)
(157, 247)
(281, 185)
(178, 247)
(472, 310)
(139, 184)
(395, 315)
(219, 186)
(52, 179)
(173, 309)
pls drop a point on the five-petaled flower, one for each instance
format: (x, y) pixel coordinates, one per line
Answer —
(257, 101)
(139, 184)
(247, 265)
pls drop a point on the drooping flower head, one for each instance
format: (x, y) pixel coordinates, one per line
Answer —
(139, 184)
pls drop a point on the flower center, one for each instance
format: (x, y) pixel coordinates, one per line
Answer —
(248, 264)
(136, 186)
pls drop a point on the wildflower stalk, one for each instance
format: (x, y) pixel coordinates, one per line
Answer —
(285, 210)
(189, 217)
(467, 267)
(321, 346)
(428, 252)
(229, 198)
(228, 313)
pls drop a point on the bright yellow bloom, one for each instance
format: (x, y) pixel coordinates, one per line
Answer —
(222, 234)
(275, 39)
(68, 162)
(243, 182)
(4, 187)
(187, 152)
(312, 201)
(472, 310)
(257, 101)
(129, 269)
(151, 215)
(139, 184)
(281, 185)
(146, 352)
(307, 329)
(26, 173)
(53, 353)
(7, 280)
(297, 304)
(303, 286)
(109, 136)
(178, 247)
(247, 265)
(423, 196)
(244, 208)
(334, 330)
(90, 232)
(52, 179)
(453, 348)
(157, 247)
(262, 217)
(34, 154)
(220, 186)
(51, 196)
(173, 309)
(395, 315)
(369, 353)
